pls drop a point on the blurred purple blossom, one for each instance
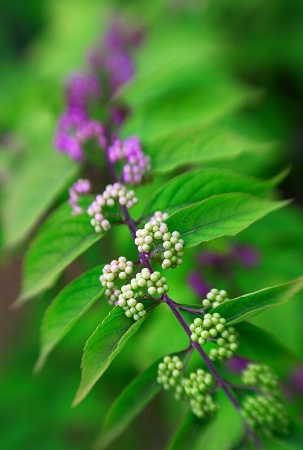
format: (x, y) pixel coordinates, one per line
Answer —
(237, 363)
(81, 89)
(73, 130)
(197, 284)
(110, 61)
(114, 55)
(296, 379)
(245, 255)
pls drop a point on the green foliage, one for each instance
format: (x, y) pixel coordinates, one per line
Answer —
(196, 435)
(220, 215)
(196, 185)
(103, 346)
(59, 242)
(259, 345)
(241, 308)
(213, 102)
(128, 405)
(32, 191)
(197, 145)
(67, 308)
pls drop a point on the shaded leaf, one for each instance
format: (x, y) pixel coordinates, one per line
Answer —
(128, 405)
(220, 432)
(60, 241)
(260, 346)
(197, 185)
(291, 442)
(103, 346)
(67, 308)
(220, 215)
(241, 308)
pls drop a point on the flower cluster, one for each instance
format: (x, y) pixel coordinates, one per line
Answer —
(195, 389)
(74, 129)
(112, 192)
(120, 268)
(212, 328)
(114, 55)
(137, 163)
(156, 230)
(153, 283)
(79, 187)
(215, 298)
(83, 92)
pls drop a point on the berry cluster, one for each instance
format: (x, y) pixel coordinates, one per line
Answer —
(212, 328)
(170, 374)
(78, 188)
(156, 230)
(265, 414)
(112, 192)
(120, 268)
(265, 411)
(215, 298)
(261, 376)
(152, 282)
(137, 164)
(195, 389)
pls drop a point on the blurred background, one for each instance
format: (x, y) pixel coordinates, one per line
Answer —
(251, 52)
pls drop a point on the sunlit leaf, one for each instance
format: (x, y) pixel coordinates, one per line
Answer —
(220, 215)
(241, 308)
(196, 185)
(103, 346)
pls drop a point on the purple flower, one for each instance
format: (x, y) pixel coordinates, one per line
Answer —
(114, 56)
(74, 129)
(82, 186)
(247, 256)
(119, 114)
(237, 363)
(211, 258)
(82, 88)
(137, 163)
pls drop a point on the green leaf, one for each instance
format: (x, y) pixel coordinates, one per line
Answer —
(291, 442)
(199, 145)
(103, 346)
(220, 215)
(34, 185)
(130, 403)
(221, 432)
(241, 308)
(186, 108)
(259, 345)
(60, 241)
(67, 308)
(197, 185)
